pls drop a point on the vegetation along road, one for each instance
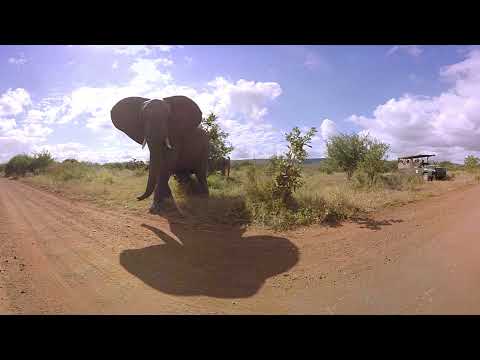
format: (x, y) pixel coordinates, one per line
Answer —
(64, 256)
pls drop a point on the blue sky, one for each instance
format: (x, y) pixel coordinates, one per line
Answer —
(416, 98)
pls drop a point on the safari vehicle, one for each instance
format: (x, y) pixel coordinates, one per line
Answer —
(420, 165)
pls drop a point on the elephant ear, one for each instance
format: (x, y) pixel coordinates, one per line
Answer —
(185, 115)
(126, 117)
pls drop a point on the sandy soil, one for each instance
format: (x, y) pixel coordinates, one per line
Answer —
(69, 257)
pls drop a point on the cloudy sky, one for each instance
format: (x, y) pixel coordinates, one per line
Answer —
(416, 98)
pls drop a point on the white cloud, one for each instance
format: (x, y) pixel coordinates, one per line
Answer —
(6, 125)
(328, 129)
(19, 136)
(448, 124)
(241, 105)
(34, 116)
(134, 50)
(13, 102)
(166, 48)
(17, 60)
(147, 73)
(16, 139)
(413, 50)
(115, 65)
(247, 99)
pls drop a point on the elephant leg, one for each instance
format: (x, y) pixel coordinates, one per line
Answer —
(182, 177)
(162, 193)
(202, 182)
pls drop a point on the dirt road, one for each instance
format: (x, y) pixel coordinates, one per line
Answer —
(62, 256)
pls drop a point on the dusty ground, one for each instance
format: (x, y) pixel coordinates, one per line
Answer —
(64, 256)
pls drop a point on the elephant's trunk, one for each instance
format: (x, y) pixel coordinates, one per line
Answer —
(153, 174)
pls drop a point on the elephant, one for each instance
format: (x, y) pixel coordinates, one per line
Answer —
(222, 164)
(178, 145)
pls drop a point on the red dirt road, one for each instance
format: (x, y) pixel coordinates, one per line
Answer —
(68, 257)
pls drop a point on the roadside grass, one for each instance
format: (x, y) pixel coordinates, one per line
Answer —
(244, 197)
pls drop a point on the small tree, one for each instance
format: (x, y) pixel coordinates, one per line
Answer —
(373, 162)
(41, 161)
(471, 163)
(347, 151)
(219, 148)
(289, 176)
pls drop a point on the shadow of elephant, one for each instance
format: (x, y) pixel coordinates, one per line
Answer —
(216, 264)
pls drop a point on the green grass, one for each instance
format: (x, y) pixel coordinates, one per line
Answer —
(245, 197)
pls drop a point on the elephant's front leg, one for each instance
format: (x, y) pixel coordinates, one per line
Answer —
(202, 182)
(161, 194)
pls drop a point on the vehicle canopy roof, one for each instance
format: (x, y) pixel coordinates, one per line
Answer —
(416, 156)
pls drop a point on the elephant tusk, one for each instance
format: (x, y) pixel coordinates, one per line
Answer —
(167, 143)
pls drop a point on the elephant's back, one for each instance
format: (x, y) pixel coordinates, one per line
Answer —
(125, 115)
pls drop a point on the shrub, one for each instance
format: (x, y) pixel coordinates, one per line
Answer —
(471, 163)
(390, 165)
(270, 194)
(288, 168)
(347, 151)
(68, 171)
(401, 181)
(339, 206)
(360, 180)
(373, 162)
(41, 161)
(328, 166)
(219, 148)
(353, 152)
(18, 165)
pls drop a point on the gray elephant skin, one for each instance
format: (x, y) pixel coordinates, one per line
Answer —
(170, 128)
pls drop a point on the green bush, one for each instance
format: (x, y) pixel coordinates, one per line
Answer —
(328, 166)
(346, 151)
(471, 163)
(373, 162)
(270, 193)
(353, 152)
(70, 171)
(41, 161)
(134, 165)
(360, 180)
(401, 181)
(390, 165)
(18, 165)
(218, 146)
(339, 206)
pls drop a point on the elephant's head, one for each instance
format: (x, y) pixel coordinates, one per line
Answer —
(161, 124)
